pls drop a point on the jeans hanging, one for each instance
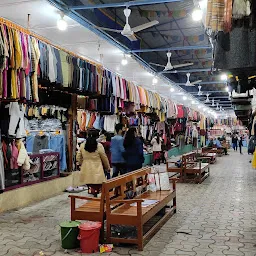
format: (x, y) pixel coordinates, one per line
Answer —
(57, 144)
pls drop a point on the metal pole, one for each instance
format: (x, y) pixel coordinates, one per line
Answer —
(124, 4)
(175, 48)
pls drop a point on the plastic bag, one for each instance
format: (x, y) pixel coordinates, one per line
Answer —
(157, 182)
(164, 181)
(151, 182)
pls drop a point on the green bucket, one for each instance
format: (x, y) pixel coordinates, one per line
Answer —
(69, 233)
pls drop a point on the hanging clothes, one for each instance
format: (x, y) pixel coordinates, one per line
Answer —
(2, 176)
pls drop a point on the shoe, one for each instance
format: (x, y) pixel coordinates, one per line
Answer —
(70, 189)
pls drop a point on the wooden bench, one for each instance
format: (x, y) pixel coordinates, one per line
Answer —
(195, 168)
(218, 151)
(119, 210)
(204, 153)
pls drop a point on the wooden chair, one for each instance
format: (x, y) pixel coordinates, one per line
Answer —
(173, 169)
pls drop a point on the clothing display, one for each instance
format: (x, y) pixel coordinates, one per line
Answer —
(2, 176)
(48, 140)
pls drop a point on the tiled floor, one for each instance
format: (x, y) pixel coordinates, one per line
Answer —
(215, 218)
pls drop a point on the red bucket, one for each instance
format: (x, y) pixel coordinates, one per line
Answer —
(89, 236)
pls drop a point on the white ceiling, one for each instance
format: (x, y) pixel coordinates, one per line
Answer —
(83, 42)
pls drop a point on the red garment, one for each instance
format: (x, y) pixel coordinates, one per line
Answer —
(180, 111)
(106, 146)
(156, 155)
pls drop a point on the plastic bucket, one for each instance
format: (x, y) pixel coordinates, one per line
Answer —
(89, 236)
(69, 233)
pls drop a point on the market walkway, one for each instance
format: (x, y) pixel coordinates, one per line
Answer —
(215, 218)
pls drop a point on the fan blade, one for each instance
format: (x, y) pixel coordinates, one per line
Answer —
(183, 65)
(131, 37)
(156, 64)
(197, 82)
(145, 26)
(109, 29)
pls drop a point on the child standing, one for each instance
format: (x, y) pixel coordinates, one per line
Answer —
(156, 142)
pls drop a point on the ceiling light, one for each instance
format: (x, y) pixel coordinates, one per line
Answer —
(203, 4)
(204, 109)
(124, 61)
(197, 14)
(224, 77)
(61, 23)
(184, 98)
(154, 81)
(199, 106)
(193, 102)
(227, 89)
(172, 90)
(128, 55)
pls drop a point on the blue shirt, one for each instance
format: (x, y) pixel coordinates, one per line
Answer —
(117, 149)
(217, 143)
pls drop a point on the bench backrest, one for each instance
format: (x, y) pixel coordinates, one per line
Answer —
(189, 160)
(117, 188)
(205, 149)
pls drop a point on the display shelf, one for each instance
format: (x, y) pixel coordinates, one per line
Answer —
(37, 173)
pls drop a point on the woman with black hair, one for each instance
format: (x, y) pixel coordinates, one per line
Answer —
(93, 160)
(106, 142)
(156, 142)
(133, 154)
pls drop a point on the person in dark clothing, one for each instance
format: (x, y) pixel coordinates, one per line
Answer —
(133, 154)
(106, 142)
(117, 151)
(240, 144)
(234, 142)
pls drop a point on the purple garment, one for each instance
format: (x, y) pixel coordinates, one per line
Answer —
(5, 80)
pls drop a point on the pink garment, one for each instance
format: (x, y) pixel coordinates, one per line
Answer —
(14, 158)
(160, 127)
(118, 93)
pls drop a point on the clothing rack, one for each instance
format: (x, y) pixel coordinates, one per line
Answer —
(28, 32)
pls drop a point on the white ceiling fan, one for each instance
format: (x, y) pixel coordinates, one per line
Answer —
(169, 65)
(213, 103)
(127, 30)
(207, 98)
(188, 83)
(199, 90)
(217, 108)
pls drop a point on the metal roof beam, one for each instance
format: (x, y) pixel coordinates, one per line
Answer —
(217, 91)
(213, 82)
(174, 48)
(187, 71)
(215, 97)
(124, 4)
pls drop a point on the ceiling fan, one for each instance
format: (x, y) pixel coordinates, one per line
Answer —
(213, 103)
(199, 90)
(188, 83)
(207, 98)
(169, 65)
(127, 30)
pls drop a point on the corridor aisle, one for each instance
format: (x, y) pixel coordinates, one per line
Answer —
(215, 218)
